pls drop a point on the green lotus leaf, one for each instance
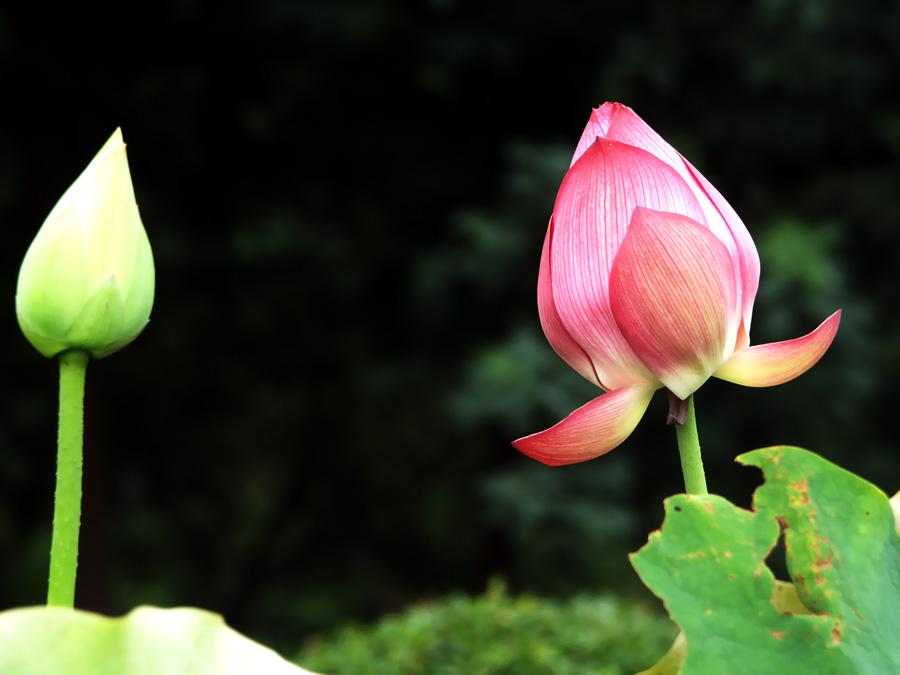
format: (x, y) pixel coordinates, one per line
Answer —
(838, 614)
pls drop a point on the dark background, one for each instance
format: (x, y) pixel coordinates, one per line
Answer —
(346, 202)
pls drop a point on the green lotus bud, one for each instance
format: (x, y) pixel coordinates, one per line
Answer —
(87, 279)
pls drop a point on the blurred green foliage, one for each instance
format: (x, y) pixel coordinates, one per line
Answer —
(346, 202)
(499, 635)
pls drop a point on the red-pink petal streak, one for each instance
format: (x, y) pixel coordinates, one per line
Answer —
(590, 219)
(779, 362)
(593, 430)
(673, 296)
(554, 329)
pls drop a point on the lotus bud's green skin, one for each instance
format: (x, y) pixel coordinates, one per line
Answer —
(87, 279)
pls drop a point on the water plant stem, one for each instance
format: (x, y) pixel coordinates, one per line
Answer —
(689, 449)
(67, 507)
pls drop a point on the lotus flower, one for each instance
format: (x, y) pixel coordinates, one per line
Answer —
(87, 279)
(647, 280)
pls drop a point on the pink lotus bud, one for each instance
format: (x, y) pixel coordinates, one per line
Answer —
(647, 280)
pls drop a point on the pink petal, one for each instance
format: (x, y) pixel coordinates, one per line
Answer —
(672, 293)
(593, 430)
(778, 362)
(590, 219)
(597, 126)
(627, 127)
(747, 255)
(556, 333)
(618, 122)
(615, 121)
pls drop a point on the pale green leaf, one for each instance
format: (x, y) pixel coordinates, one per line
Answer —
(147, 641)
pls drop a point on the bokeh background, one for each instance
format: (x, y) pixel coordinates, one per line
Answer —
(346, 202)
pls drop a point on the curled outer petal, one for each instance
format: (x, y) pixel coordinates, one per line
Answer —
(672, 293)
(593, 430)
(778, 362)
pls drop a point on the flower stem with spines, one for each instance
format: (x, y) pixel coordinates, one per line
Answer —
(67, 508)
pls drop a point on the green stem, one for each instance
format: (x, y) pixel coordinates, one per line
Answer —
(689, 449)
(67, 510)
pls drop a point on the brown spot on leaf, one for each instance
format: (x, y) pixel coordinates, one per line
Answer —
(803, 489)
(695, 554)
(727, 554)
(779, 634)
